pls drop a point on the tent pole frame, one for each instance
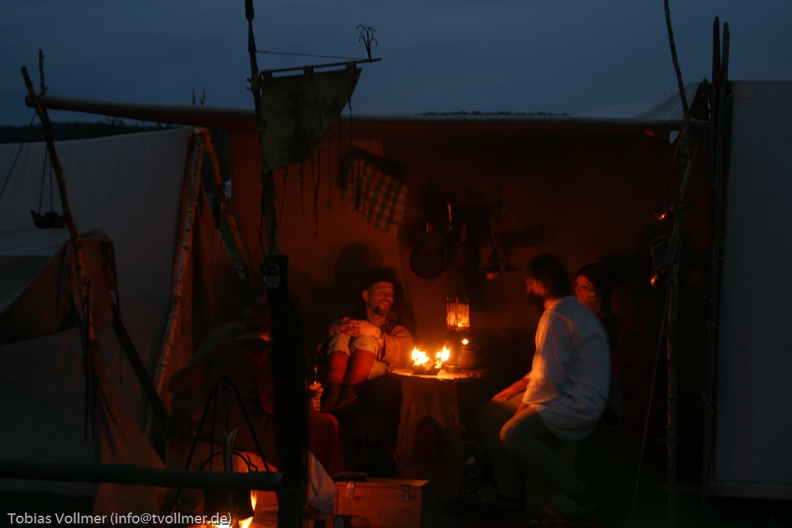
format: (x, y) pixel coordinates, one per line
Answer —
(86, 324)
(87, 331)
(226, 206)
(720, 141)
(182, 264)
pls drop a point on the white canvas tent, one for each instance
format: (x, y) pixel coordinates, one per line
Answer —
(752, 392)
(135, 189)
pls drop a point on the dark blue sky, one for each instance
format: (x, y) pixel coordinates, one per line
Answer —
(559, 56)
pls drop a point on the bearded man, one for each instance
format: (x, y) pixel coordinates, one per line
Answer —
(364, 346)
(534, 422)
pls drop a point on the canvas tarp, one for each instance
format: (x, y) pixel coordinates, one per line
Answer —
(133, 188)
(36, 293)
(753, 430)
(669, 107)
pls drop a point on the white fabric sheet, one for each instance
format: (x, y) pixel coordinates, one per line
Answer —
(754, 362)
(130, 187)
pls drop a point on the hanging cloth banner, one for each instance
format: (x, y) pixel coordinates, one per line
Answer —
(297, 110)
(375, 191)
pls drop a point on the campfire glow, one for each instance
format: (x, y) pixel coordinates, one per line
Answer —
(247, 522)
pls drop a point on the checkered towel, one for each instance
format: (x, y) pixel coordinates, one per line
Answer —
(378, 197)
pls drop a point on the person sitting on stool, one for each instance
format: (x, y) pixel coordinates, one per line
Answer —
(560, 401)
(364, 346)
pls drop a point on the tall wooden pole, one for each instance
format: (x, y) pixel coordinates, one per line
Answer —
(688, 149)
(720, 140)
(671, 354)
(287, 338)
(79, 269)
(673, 287)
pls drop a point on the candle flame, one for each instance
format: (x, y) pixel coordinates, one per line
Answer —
(420, 357)
(442, 356)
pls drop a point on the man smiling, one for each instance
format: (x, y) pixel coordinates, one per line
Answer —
(363, 346)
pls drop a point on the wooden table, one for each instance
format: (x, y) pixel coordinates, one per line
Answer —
(429, 439)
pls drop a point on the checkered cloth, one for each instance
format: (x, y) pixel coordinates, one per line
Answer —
(375, 195)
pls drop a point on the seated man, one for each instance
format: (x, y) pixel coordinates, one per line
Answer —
(558, 402)
(364, 346)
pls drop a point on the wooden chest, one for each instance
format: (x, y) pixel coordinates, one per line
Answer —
(380, 503)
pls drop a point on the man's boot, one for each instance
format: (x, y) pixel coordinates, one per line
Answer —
(330, 396)
(348, 402)
(360, 363)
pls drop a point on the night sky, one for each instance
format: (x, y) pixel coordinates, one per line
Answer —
(552, 56)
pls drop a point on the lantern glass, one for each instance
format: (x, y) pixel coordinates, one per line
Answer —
(457, 315)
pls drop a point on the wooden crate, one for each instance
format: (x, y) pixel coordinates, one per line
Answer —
(380, 503)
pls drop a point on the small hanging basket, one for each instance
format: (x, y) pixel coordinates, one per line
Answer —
(51, 220)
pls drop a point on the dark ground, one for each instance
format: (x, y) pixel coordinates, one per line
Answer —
(612, 477)
(615, 512)
(607, 462)
(611, 470)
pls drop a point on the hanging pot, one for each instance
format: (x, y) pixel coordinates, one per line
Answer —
(427, 263)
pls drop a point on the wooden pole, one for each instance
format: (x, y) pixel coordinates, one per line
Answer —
(245, 120)
(688, 149)
(675, 59)
(79, 269)
(182, 263)
(226, 206)
(270, 250)
(719, 172)
(87, 332)
(291, 434)
(671, 353)
(139, 475)
(140, 370)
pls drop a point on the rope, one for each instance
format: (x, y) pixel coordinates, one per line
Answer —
(306, 55)
(43, 173)
(16, 158)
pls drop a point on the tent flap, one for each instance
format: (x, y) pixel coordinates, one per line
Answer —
(38, 269)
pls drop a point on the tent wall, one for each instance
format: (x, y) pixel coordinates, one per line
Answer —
(583, 194)
(132, 188)
(753, 430)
